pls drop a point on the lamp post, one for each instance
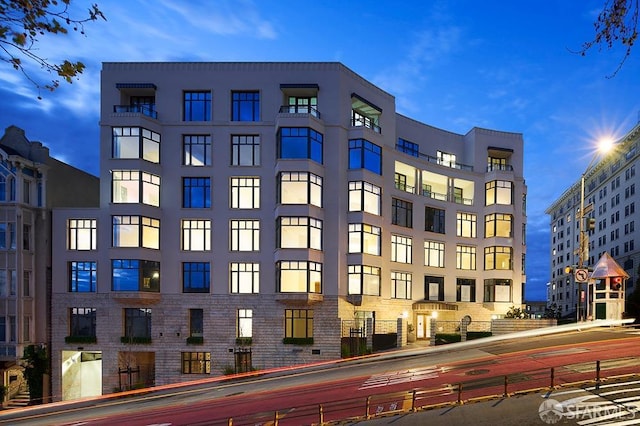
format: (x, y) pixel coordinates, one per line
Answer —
(583, 244)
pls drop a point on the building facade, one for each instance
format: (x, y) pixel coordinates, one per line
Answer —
(254, 214)
(31, 184)
(610, 200)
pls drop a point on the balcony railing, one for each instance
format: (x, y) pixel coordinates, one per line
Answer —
(436, 160)
(500, 167)
(362, 121)
(404, 187)
(299, 109)
(445, 197)
(147, 110)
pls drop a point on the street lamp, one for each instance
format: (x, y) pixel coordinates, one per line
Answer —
(583, 244)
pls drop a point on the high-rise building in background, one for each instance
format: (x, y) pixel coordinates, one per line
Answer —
(253, 215)
(610, 200)
(31, 184)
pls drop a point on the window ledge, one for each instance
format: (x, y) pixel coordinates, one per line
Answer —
(299, 299)
(141, 297)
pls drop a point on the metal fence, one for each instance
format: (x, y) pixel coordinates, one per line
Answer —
(417, 399)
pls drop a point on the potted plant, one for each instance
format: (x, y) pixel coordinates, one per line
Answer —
(411, 333)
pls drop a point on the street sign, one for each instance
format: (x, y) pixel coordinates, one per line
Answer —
(581, 275)
(587, 209)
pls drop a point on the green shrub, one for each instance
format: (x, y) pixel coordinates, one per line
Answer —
(135, 340)
(81, 339)
(298, 340)
(478, 334)
(195, 340)
(244, 341)
(446, 338)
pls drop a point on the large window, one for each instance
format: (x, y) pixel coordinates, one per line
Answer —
(245, 323)
(298, 323)
(300, 143)
(446, 159)
(82, 234)
(196, 192)
(245, 150)
(136, 231)
(303, 105)
(196, 322)
(197, 106)
(299, 232)
(364, 280)
(364, 238)
(245, 192)
(82, 276)
(245, 106)
(401, 248)
(137, 323)
(407, 147)
(498, 225)
(434, 288)
(133, 186)
(434, 220)
(400, 285)
(245, 235)
(196, 277)
(196, 234)
(401, 213)
(365, 197)
(196, 362)
(135, 142)
(497, 290)
(466, 224)
(434, 254)
(465, 290)
(498, 257)
(135, 275)
(82, 322)
(299, 276)
(196, 150)
(365, 155)
(300, 188)
(499, 192)
(245, 277)
(465, 257)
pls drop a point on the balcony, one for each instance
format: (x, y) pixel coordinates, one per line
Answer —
(147, 110)
(300, 109)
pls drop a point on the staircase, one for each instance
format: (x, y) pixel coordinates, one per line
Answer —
(20, 400)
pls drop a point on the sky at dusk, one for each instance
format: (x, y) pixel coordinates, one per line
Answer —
(455, 65)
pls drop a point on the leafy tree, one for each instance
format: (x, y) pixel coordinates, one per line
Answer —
(552, 312)
(516, 313)
(617, 23)
(35, 364)
(22, 22)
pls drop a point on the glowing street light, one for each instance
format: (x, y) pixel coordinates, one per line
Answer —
(604, 146)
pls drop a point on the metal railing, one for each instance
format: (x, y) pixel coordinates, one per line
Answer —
(417, 399)
(299, 109)
(139, 109)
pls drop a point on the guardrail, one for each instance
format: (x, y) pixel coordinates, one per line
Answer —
(417, 399)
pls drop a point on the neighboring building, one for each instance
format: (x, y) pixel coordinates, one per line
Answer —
(610, 198)
(536, 309)
(253, 214)
(31, 184)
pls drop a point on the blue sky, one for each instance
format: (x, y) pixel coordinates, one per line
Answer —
(451, 64)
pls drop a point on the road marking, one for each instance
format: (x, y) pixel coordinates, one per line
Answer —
(396, 377)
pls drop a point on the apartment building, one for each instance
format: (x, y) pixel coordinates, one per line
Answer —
(31, 184)
(610, 200)
(253, 214)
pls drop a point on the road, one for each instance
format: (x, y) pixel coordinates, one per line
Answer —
(388, 380)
